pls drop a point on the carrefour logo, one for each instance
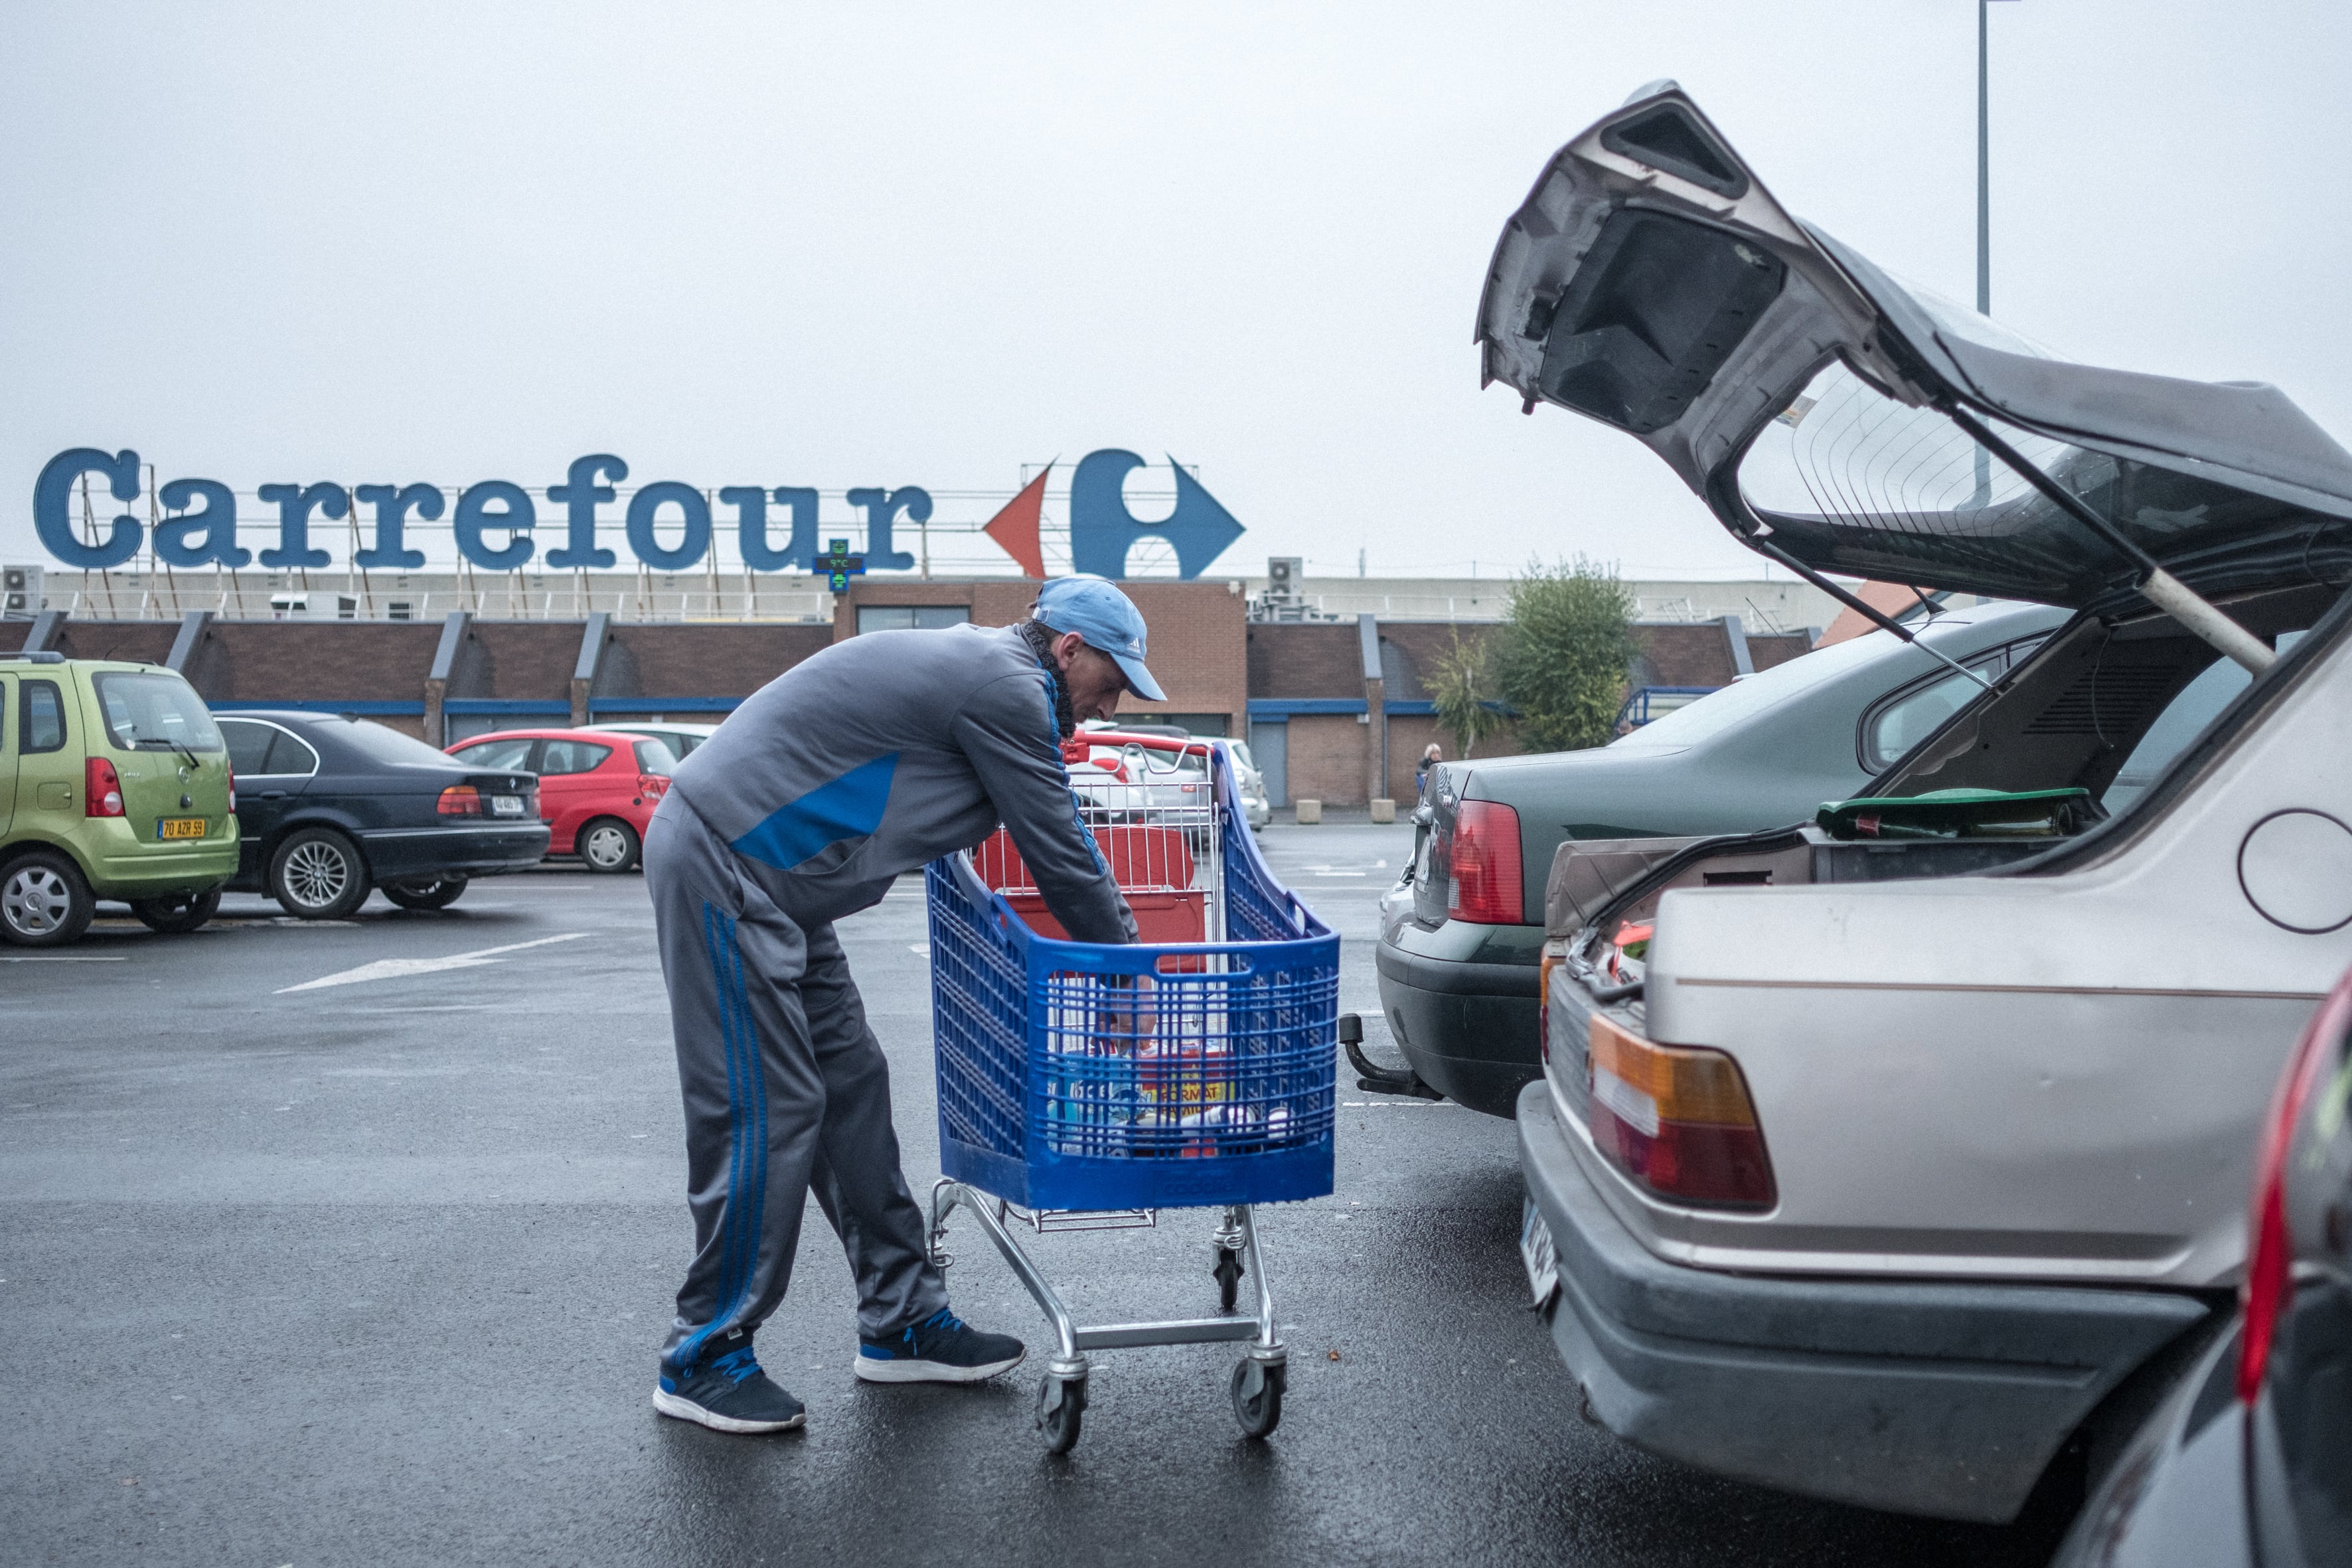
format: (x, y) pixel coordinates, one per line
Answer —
(497, 522)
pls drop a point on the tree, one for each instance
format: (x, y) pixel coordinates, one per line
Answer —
(1463, 694)
(1565, 652)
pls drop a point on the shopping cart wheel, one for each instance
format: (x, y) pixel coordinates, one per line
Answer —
(1061, 1404)
(1228, 1273)
(1257, 1395)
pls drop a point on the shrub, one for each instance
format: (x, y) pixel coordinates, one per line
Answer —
(1564, 654)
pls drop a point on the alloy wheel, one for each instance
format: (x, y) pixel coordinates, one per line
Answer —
(316, 874)
(35, 901)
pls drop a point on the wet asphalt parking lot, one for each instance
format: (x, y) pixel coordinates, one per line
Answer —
(353, 1242)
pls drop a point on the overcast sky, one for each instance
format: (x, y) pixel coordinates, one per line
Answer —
(878, 244)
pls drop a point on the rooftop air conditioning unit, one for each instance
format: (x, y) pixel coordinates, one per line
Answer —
(1283, 574)
(20, 592)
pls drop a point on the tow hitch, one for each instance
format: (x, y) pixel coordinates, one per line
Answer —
(1372, 1076)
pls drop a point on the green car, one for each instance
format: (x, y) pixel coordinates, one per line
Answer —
(113, 785)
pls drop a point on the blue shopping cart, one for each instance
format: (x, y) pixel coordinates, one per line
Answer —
(1086, 1087)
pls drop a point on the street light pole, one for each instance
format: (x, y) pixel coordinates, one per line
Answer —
(1983, 494)
(1984, 166)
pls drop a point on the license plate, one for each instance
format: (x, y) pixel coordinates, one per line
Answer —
(506, 806)
(1536, 1251)
(178, 827)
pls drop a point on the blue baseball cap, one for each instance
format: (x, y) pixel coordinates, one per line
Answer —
(1108, 619)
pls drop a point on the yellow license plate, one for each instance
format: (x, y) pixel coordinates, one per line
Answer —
(180, 827)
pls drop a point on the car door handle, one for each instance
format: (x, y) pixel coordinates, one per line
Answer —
(273, 795)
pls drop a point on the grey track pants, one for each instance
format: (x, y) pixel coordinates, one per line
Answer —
(786, 1089)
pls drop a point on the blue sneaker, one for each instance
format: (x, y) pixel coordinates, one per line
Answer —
(725, 1391)
(941, 1349)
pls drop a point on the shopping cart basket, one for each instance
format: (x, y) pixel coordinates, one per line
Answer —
(1085, 1086)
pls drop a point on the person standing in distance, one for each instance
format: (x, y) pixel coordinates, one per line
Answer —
(1429, 759)
(874, 757)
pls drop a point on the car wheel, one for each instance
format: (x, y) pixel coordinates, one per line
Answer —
(425, 892)
(317, 875)
(44, 902)
(177, 914)
(609, 845)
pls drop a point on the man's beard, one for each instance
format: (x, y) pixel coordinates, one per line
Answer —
(1040, 638)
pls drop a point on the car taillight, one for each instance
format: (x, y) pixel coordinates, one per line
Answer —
(1677, 1120)
(1482, 865)
(101, 789)
(2270, 1260)
(1552, 961)
(652, 784)
(461, 800)
(232, 791)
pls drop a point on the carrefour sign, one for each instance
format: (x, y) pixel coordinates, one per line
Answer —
(497, 523)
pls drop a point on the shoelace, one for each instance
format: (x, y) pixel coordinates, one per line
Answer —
(738, 1366)
(943, 1319)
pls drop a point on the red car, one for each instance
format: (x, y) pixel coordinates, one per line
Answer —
(597, 788)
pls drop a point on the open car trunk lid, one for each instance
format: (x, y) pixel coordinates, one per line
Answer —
(1652, 283)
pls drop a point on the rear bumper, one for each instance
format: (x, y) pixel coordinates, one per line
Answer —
(154, 871)
(1468, 1028)
(1926, 1396)
(399, 853)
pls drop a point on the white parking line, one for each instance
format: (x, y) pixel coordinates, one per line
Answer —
(402, 968)
(62, 958)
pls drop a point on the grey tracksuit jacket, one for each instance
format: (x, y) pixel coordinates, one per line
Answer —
(866, 762)
(886, 751)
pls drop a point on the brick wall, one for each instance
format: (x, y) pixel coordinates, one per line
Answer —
(702, 660)
(1695, 654)
(521, 659)
(289, 661)
(147, 641)
(1326, 758)
(1321, 660)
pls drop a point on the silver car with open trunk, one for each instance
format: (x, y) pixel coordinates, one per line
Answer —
(1879, 1156)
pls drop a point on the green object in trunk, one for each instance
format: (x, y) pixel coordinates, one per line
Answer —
(1961, 814)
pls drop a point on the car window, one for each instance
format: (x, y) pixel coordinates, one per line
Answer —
(653, 757)
(1743, 699)
(512, 752)
(1892, 727)
(383, 743)
(572, 757)
(291, 756)
(155, 712)
(42, 725)
(2183, 720)
(683, 744)
(248, 744)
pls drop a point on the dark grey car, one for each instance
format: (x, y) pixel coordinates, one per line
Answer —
(1462, 933)
(2249, 1459)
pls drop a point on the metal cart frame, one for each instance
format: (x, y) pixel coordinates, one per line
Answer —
(1258, 1380)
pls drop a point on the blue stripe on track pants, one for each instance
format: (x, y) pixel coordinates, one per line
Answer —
(786, 1092)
